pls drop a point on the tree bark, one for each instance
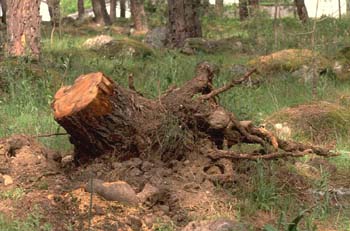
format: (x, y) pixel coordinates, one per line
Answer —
(23, 28)
(243, 9)
(219, 6)
(139, 16)
(100, 12)
(112, 10)
(301, 10)
(54, 11)
(183, 21)
(4, 9)
(81, 9)
(122, 8)
(253, 7)
(102, 117)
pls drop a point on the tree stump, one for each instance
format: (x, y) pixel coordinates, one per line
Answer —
(103, 117)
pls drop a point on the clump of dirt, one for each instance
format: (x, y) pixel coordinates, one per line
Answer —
(318, 122)
(191, 189)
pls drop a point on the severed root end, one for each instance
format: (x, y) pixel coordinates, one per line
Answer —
(89, 93)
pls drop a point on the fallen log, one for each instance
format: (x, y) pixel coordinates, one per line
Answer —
(102, 117)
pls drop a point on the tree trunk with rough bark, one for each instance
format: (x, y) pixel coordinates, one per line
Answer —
(219, 6)
(81, 9)
(139, 16)
(122, 8)
(23, 28)
(301, 10)
(54, 11)
(100, 12)
(183, 21)
(102, 117)
(243, 9)
(253, 7)
(4, 9)
(112, 10)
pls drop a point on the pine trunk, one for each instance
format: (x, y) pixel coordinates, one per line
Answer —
(183, 21)
(23, 28)
(112, 10)
(139, 16)
(100, 12)
(81, 9)
(219, 5)
(243, 9)
(301, 10)
(54, 11)
(122, 8)
(4, 9)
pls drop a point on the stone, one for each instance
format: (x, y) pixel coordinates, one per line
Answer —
(157, 37)
(147, 192)
(114, 191)
(146, 166)
(67, 160)
(217, 225)
(7, 180)
(134, 222)
(97, 42)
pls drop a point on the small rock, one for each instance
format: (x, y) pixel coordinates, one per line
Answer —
(134, 162)
(67, 160)
(149, 220)
(164, 208)
(307, 171)
(7, 180)
(217, 225)
(213, 170)
(157, 37)
(134, 222)
(97, 42)
(117, 165)
(135, 172)
(146, 166)
(147, 192)
(99, 210)
(186, 162)
(114, 191)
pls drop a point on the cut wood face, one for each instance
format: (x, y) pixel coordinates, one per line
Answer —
(90, 93)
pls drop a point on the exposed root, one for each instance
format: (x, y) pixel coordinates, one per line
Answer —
(234, 82)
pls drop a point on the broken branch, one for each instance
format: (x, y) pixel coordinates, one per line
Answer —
(228, 86)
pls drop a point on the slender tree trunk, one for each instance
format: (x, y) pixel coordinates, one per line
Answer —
(112, 11)
(122, 8)
(4, 9)
(243, 9)
(23, 28)
(54, 11)
(253, 7)
(138, 14)
(301, 10)
(205, 4)
(81, 9)
(183, 21)
(219, 6)
(100, 11)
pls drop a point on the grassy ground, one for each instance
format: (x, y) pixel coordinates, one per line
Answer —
(28, 89)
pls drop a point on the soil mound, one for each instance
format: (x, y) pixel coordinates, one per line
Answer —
(319, 122)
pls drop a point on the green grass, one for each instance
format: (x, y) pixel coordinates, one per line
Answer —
(31, 223)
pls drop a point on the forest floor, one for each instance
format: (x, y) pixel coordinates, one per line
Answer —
(50, 194)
